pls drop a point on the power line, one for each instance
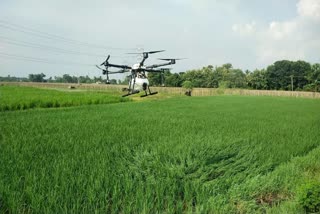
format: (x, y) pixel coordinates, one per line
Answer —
(45, 47)
(13, 27)
(41, 60)
(26, 30)
(48, 48)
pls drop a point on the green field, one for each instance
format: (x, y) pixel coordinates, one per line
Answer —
(21, 98)
(222, 154)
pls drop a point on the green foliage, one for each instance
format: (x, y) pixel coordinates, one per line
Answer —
(174, 80)
(66, 78)
(315, 74)
(279, 74)
(314, 87)
(13, 79)
(222, 154)
(154, 79)
(37, 77)
(309, 196)
(224, 85)
(21, 98)
(275, 77)
(257, 79)
(187, 85)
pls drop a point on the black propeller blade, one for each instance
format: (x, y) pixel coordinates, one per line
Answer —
(99, 67)
(168, 59)
(152, 52)
(103, 70)
(148, 52)
(106, 61)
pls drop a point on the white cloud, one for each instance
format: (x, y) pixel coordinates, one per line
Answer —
(245, 29)
(309, 8)
(293, 39)
(282, 30)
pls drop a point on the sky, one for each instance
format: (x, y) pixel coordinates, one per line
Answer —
(57, 37)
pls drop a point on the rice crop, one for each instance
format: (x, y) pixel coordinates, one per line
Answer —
(22, 97)
(223, 154)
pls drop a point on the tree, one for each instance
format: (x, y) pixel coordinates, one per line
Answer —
(285, 74)
(112, 81)
(257, 79)
(188, 86)
(159, 78)
(154, 78)
(314, 75)
(67, 78)
(277, 75)
(236, 78)
(313, 78)
(37, 77)
(211, 80)
(13, 79)
(300, 71)
(198, 77)
(173, 80)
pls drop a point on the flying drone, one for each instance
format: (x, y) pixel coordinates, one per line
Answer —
(138, 78)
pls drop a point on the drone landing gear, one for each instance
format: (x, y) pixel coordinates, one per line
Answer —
(130, 93)
(150, 93)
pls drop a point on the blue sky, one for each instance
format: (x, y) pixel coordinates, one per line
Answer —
(249, 34)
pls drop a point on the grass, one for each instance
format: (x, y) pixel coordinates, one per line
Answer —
(224, 154)
(21, 98)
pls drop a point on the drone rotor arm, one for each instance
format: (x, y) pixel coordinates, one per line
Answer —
(119, 66)
(169, 59)
(157, 70)
(118, 72)
(159, 65)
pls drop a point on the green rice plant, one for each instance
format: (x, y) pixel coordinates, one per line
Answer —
(22, 98)
(222, 154)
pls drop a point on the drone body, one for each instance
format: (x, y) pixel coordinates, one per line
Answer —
(138, 78)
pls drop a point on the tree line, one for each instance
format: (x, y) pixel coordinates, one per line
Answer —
(281, 75)
(65, 78)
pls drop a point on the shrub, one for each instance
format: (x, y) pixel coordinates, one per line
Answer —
(187, 85)
(309, 196)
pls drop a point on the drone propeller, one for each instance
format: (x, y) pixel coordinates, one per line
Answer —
(107, 72)
(105, 63)
(148, 52)
(152, 52)
(99, 67)
(170, 59)
(104, 71)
